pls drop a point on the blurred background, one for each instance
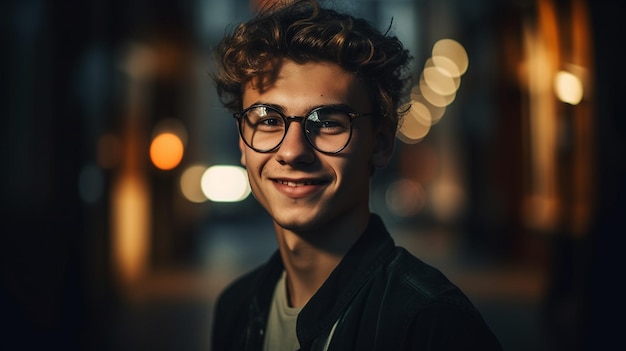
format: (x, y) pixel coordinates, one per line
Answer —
(125, 212)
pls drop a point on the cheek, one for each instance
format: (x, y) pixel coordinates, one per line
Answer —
(357, 163)
(360, 152)
(354, 166)
(254, 181)
(254, 165)
(242, 149)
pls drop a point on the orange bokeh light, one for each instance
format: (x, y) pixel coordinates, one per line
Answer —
(166, 151)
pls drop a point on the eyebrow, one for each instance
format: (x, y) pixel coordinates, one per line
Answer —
(339, 106)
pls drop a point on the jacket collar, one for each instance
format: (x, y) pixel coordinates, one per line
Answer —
(334, 296)
(262, 290)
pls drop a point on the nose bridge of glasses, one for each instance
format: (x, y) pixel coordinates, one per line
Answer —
(299, 119)
(298, 137)
(289, 119)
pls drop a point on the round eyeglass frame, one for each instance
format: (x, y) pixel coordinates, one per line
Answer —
(301, 119)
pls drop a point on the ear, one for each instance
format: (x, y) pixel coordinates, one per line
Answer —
(384, 140)
(242, 149)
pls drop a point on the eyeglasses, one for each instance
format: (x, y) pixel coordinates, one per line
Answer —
(328, 129)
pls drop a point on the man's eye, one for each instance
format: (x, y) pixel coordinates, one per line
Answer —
(270, 122)
(329, 119)
(329, 124)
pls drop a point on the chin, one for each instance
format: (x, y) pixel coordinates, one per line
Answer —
(297, 225)
(299, 222)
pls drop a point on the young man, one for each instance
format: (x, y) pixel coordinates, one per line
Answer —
(316, 95)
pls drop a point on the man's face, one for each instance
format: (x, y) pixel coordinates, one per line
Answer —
(301, 188)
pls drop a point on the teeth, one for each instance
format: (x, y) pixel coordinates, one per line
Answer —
(296, 184)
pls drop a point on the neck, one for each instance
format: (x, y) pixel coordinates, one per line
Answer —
(310, 257)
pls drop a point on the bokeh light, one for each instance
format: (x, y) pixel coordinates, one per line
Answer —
(405, 198)
(173, 126)
(439, 79)
(421, 113)
(568, 87)
(436, 112)
(131, 229)
(166, 151)
(438, 84)
(433, 97)
(447, 65)
(453, 51)
(225, 183)
(190, 183)
(447, 199)
(413, 129)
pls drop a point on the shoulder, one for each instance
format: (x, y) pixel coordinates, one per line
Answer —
(438, 311)
(237, 293)
(425, 281)
(445, 326)
(256, 282)
(230, 314)
(241, 301)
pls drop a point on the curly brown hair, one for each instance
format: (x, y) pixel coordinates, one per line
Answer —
(303, 31)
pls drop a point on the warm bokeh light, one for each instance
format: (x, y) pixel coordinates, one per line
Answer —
(173, 126)
(568, 88)
(225, 184)
(166, 151)
(131, 227)
(421, 113)
(413, 129)
(190, 184)
(440, 80)
(447, 65)
(437, 88)
(447, 198)
(436, 112)
(452, 50)
(433, 97)
(405, 198)
(543, 125)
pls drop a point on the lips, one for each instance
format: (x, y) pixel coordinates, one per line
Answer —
(299, 183)
(300, 188)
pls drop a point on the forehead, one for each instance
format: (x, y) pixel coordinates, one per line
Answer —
(299, 87)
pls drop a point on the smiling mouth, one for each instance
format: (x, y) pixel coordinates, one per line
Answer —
(297, 184)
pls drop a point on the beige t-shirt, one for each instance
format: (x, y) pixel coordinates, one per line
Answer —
(281, 324)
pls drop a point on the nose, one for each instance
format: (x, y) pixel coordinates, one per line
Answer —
(295, 147)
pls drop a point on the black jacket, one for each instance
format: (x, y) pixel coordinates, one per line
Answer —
(381, 297)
